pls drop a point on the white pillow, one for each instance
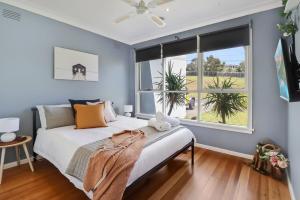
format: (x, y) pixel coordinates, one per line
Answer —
(109, 113)
(42, 113)
(165, 118)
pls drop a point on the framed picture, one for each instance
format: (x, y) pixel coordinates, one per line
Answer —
(75, 65)
(281, 66)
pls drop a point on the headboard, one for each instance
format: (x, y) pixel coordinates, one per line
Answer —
(35, 126)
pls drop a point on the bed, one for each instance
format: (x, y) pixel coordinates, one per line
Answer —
(59, 144)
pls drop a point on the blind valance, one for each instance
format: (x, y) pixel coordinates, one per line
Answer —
(146, 54)
(229, 38)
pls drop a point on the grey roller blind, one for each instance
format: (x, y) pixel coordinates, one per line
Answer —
(180, 47)
(150, 53)
(228, 38)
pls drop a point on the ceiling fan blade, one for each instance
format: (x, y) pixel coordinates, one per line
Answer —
(125, 17)
(157, 20)
(121, 19)
(131, 2)
(155, 3)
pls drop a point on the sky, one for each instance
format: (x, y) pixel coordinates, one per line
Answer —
(232, 56)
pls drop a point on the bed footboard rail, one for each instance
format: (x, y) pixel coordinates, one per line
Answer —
(191, 145)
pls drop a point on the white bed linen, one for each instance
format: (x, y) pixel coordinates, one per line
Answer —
(59, 144)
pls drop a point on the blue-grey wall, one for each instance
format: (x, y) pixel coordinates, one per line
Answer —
(293, 133)
(269, 111)
(293, 146)
(26, 66)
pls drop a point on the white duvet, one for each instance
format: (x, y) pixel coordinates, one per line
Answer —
(59, 144)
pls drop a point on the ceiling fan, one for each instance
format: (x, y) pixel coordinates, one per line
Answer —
(143, 8)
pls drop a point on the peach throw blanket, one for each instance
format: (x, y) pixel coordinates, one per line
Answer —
(110, 166)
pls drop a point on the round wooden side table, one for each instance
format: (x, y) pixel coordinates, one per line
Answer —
(16, 144)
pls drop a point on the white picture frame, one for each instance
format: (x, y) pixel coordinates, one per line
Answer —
(75, 65)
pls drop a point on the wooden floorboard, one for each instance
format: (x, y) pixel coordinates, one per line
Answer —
(215, 176)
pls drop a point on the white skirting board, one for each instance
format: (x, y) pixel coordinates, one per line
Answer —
(225, 151)
(290, 186)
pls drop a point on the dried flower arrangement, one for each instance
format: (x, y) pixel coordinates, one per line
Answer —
(275, 158)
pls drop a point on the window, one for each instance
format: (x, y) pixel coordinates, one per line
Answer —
(204, 80)
(150, 93)
(181, 86)
(224, 87)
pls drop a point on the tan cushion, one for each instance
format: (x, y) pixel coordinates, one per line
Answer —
(89, 116)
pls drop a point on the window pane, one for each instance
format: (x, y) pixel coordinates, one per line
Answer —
(150, 103)
(182, 105)
(181, 72)
(223, 65)
(150, 75)
(232, 106)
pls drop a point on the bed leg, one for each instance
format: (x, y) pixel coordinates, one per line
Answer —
(34, 156)
(193, 151)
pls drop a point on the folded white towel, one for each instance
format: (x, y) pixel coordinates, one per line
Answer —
(160, 116)
(164, 118)
(159, 125)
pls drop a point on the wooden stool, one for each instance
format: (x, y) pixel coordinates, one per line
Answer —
(16, 143)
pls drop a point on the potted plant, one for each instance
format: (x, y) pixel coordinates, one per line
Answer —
(289, 27)
(278, 161)
(269, 160)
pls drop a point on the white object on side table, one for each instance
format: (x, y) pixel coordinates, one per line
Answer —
(8, 126)
(128, 109)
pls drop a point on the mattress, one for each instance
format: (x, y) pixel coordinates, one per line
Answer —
(59, 144)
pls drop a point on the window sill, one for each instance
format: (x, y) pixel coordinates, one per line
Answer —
(223, 127)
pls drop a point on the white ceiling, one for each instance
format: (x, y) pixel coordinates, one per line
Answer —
(98, 15)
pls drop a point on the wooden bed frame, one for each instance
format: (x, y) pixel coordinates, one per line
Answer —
(137, 182)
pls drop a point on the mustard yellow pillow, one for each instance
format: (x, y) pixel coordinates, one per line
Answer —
(89, 116)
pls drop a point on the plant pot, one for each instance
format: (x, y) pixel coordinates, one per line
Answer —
(277, 173)
(262, 165)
